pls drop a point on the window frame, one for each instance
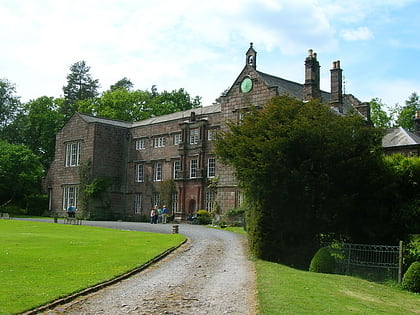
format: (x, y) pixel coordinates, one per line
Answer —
(72, 153)
(193, 168)
(139, 173)
(177, 168)
(70, 195)
(177, 138)
(194, 136)
(138, 203)
(211, 167)
(141, 144)
(159, 142)
(157, 171)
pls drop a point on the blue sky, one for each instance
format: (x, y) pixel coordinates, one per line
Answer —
(201, 45)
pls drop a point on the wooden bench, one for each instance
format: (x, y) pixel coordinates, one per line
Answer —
(71, 220)
(5, 216)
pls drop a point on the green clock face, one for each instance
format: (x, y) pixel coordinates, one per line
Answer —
(246, 85)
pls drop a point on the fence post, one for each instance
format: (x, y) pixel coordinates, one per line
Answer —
(348, 261)
(400, 263)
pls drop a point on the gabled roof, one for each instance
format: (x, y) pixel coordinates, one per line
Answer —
(395, 137)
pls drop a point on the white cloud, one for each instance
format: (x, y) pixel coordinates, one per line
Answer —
(187, 43)
(360, 33)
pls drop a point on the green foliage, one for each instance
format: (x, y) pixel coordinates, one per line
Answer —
(97, 187)
(203, 217)
(406, 113)
(124, 83)
(9, 104)
(412, 250)
(306, 172)
(411, 279)
(167, 188)
(20, 172)
(80, 86)
(85, 170)
(36, 204)
(379, 117)
(125, 104)
(400, 196)
(323, 261)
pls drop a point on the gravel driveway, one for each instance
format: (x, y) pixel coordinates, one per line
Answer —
(210, 274)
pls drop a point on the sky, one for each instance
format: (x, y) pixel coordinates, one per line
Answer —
(200, 45)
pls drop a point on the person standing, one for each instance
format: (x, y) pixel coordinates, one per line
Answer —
(164, 214)
(152, 216)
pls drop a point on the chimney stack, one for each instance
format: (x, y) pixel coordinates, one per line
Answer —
(311, 88)
(417, 123)
(336, 98)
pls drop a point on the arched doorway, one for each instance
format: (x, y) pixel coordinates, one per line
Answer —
(192, 206)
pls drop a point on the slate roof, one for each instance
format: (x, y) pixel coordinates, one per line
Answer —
(106, 121)
(205, 110)
(291, 88)
(395, 137)
(201, 111)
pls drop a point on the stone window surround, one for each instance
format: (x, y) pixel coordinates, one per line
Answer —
(72, 152)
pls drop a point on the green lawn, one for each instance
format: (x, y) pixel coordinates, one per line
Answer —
(284, 290)
(40, 262)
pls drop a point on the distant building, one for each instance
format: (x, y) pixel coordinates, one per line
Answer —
(170, 159)
(400, 140)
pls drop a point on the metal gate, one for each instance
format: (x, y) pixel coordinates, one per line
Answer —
(373, 262)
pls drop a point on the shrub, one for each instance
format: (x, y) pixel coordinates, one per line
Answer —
(203, 217)
(323, 261)
(37, 204)
(411, 279)
(412, 250)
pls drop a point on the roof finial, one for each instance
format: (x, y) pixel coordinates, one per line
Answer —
(251, 44)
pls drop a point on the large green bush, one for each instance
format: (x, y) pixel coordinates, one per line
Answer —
(411, 279)
(323, 261)
(203, 217)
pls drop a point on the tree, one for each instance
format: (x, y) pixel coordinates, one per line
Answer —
(20, 172)
(379, 117)
(80, 86)
(407, 112)
(307, 174)
(175, 101)
(42, 123)
(124, 83)
(128, 105)
(9, 104)
(121, 104)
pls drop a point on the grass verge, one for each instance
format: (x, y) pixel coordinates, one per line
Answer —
(40, 262)
(284, 290)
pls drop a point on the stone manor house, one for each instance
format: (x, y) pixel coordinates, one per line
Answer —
(144, 158)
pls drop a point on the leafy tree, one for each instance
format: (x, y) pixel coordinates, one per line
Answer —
(175, 101)
(400, 196)
(307, 174)
(124, 104)
(42, 123)
(407, 112)
(379, 117)
(9, 104)
(120, 104)
(20, 172)
(124, 83)
(80, 86)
